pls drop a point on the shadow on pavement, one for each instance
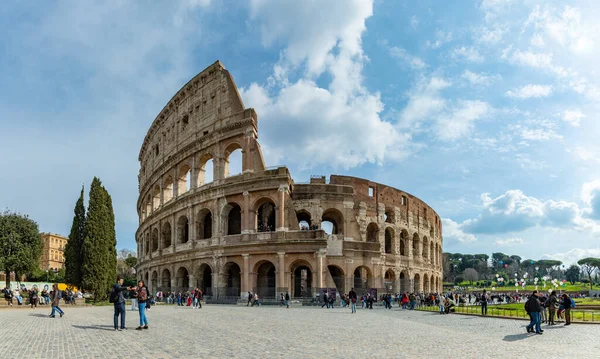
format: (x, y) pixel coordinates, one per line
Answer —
(515, 337)
(40, 315)
(96, 327)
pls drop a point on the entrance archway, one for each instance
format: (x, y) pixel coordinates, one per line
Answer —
(154, 282)
(233, 280)
(301, 280)
(389, 281)
(404, 283)
(204, 281)
(417, 284)
(337, 274)
(362, 279)
(182, 279)
(166, 280)
(265, 280)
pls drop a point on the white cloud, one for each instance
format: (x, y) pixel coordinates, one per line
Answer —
(344, 115)
(585, 154)
(529, 91)
(527, 163)
(458, 122)
(468, 53)
(573, 117)
(590, 195)
(401, 54)
(441, 38)
(537, 130)
(414, 22)
(573, 255)
(480, 79)
(452, 231)
(539, 60)
(509, 242)
(489, 35)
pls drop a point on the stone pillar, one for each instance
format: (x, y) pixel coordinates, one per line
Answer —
(246, 279)
(246, 154)
(194, 174)
(320, 256)
(175, 183)
(280, 218)
(246, 226)
(192, 280)
(192, 226)
(281, 270)
(174, 233)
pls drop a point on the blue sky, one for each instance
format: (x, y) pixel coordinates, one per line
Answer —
(486, 110)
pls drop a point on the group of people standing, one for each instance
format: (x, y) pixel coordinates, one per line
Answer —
(118, 300)
(536, 307)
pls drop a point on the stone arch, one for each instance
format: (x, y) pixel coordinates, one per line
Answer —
(304, 219)
(431, 233)
(338, 276)
(230, 154)
(265, 279)
(166, 280)
(389, 281)
(168, 187)
(205, 172)
(148, 206)
(166, 235)
(154, 281)
(204, 278)
(232, 219)
(389, 240)
(265, 219)
(184, 174)
(416, 246)
(426, 283)
(404, 242)
(156, 197)
(363, 278)
(182, 278)
(425, 249)
(147, 243)
(431, 253)
(183, 229)
(232, 279)
(301, 271)
(372, 232)
(335, 218)
(204, 224)
(417, 283)
(404, 282)
(432, 286)
(154, 239)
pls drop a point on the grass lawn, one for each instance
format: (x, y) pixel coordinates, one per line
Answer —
(577, 287)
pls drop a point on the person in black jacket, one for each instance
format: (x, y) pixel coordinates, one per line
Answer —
(551, 304)
(119, 302)
(566, 302)
(353, 299)
(534, 308)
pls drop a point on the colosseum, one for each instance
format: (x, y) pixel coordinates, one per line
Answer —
(203, 224)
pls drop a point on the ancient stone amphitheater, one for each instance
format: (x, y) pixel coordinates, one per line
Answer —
(258, 230)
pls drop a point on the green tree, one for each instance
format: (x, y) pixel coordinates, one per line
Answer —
(98, 269)
(73, 256)
(572, 273)
(589, 265)
(20, 244)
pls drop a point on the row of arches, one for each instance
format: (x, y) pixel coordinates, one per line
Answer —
(192, 173)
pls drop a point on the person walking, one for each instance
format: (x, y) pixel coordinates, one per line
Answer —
(567, 305)
(533, 307)
(142, 296)
(353, 299)
(33, 297)
(551, 307)
(249, 299)
(55, 301)
(287, 300)
(325, 300)
(484, 303)
(118, 300)
(196, 299)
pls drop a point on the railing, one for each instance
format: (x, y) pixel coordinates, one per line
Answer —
(581, 316)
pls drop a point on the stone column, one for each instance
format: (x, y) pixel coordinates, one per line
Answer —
(246, 278)
(192, 280)
(280, 218)
(320, 256)
(194, 174)
(281, 270)
(175, 183)
(246, 227)
(174, 233)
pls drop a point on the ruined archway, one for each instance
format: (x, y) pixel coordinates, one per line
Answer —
(415, 247)
(182, 279)
(301, 279)
(204, 279)
(304, 219)
(372, 232)
(265, 215)
(232, 280)
(389, 281)
(332, 221)
(154, 239)
(166, 235)
(265, 279)
(183, 230)
(166, 280)
(389, 240)
(204, 224)
(232, 218)
(362, 279)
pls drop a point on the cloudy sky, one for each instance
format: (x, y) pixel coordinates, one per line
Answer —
(487, 111)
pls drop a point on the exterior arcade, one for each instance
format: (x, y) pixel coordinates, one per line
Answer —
(259, 231)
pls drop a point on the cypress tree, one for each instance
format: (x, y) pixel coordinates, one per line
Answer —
(97, 266)
(73, 255)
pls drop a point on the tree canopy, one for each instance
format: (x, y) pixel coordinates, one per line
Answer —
(20, 244)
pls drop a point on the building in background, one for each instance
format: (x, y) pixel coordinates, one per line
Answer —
(53, 254)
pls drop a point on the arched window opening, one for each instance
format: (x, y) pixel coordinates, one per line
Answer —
(204, 281)
(233, 163)
(155, 240)
(302, 281)
(166, 235)
(185, 173)
(372, 232)
(182, 279)
(425, 249)
(389, 215)
(265, 280)
(304, 220)
(417, 283)
(338, 278)
(362, 277)
(204, 224)
(183, 230)
(168, 189)
(233, 218)
(403, 241)
(265, 217)
(206, 170)
(156, 197)
(233, 280)
(154, 282)
(404, 283)
(415, 245)
(389, 235)
(332, 221)
(148, 205)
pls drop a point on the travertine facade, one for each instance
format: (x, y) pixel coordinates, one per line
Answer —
(258, 230)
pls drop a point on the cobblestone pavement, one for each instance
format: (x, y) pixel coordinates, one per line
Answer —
(270, 332)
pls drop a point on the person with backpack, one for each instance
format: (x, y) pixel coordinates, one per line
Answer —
(533, 308)
(142, 296)
(118, 300)
(56, 301)
(567, 304)
(287, 300)
(484, 303)
(551, 303)
(353, 299)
